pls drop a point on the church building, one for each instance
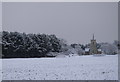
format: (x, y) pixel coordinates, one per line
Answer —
(93, 48)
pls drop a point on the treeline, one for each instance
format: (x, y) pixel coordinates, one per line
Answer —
(22, 45)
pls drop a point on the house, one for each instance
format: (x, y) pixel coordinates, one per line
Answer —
(87, 51)
(99, 51)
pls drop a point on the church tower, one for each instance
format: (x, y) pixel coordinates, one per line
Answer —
(93, 46)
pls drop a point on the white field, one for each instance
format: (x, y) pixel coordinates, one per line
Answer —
(70, 68)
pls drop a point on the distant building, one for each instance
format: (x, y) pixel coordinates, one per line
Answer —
(99, 51)
(93, 48)
(87, 51)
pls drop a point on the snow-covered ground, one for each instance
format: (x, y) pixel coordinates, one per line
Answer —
(70, 68)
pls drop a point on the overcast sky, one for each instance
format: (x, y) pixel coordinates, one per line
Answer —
(0, 16)
(75, 22)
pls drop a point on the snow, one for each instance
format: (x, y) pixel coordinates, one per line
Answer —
(99, 55)
(70, 68)
(99, 50)
(87, 49)
(60, 56)
(0, 70)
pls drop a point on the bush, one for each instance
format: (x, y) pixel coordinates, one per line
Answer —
(15, 44)
(109, 49)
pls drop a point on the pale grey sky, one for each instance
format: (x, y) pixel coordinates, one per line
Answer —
(0, 16)
(75, 22)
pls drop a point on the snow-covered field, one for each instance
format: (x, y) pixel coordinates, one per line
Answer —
(70, 68)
